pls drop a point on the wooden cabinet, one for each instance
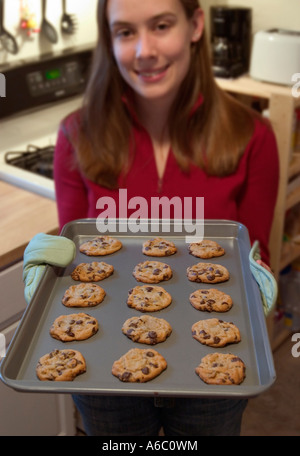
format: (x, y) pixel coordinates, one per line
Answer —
(281, 107)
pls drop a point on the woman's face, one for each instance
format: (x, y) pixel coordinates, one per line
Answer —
(151, 42)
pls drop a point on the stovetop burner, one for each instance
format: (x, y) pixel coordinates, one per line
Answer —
(38, 160)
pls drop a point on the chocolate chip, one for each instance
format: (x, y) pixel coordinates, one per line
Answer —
(235, 359)
(153, 337)
(145, 370)
(133, 325)
(125, 376)
(91, 322)
(150, 354)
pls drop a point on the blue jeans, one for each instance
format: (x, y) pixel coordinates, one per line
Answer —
(143, 416)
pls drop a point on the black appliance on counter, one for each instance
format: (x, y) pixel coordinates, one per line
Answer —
(37, 82)
(230, 40)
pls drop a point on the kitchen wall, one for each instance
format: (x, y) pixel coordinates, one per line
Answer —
(37, 44)
(266, 14)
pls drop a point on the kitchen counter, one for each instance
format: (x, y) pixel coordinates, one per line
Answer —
(23, 215)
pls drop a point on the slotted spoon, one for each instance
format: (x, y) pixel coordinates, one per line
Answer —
(68, 21)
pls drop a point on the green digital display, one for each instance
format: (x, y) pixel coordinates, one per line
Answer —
(53, 74)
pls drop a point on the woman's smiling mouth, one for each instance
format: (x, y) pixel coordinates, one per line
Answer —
(152, 74)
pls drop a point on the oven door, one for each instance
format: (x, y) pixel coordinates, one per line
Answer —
(23, 414)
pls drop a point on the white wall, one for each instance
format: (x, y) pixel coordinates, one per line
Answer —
(35, 45)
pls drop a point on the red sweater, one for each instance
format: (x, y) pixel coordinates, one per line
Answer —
(247, 196)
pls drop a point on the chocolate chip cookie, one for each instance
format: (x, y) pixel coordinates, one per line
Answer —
(100, 245)
(147, 329)
(147, 298)
(221, 369)
(139, 365)
(211, 300)
(207, 273)
(92, 272)
(83, 295)
(152, 272)
(60, 365)
(71, 327)
(159, 247)
(215, 332)
(206, 249)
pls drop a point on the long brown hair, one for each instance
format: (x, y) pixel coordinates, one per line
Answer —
(214, 137)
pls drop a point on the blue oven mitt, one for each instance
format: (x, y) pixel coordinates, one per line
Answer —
(44, 249)
(265, 280)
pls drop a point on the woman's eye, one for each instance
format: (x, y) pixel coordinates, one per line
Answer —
(162, 26)
(123, 33)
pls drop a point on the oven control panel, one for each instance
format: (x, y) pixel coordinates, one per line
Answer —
(55, 78)
(40, 82)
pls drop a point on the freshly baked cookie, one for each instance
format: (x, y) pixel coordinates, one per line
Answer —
(92, 272)
(207, 273)
(221, 369)
(211, 300)
(206, 249)
(159, 247)
(152, 272)
(61, 365)
(71, 327)
(100, 245)
(147, 298)
(215, 332)
(147, 329)
(83, 295)
(139, 365)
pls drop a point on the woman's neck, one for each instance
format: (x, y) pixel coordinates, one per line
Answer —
(154, 116)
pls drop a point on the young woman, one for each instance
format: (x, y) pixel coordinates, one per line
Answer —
(155, 123)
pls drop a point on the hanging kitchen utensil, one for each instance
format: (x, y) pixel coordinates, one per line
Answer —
(68, 21)
(47, 29)
(7, 40)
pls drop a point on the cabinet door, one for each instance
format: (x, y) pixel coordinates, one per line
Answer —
(30, 414)
(12, 301)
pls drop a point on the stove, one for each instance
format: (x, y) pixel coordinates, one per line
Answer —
(24, 139)
(38, 160)
(47, 91)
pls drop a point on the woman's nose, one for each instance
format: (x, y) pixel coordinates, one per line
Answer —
(145, 46)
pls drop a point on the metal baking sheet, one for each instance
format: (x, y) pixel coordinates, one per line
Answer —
(183, 353)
